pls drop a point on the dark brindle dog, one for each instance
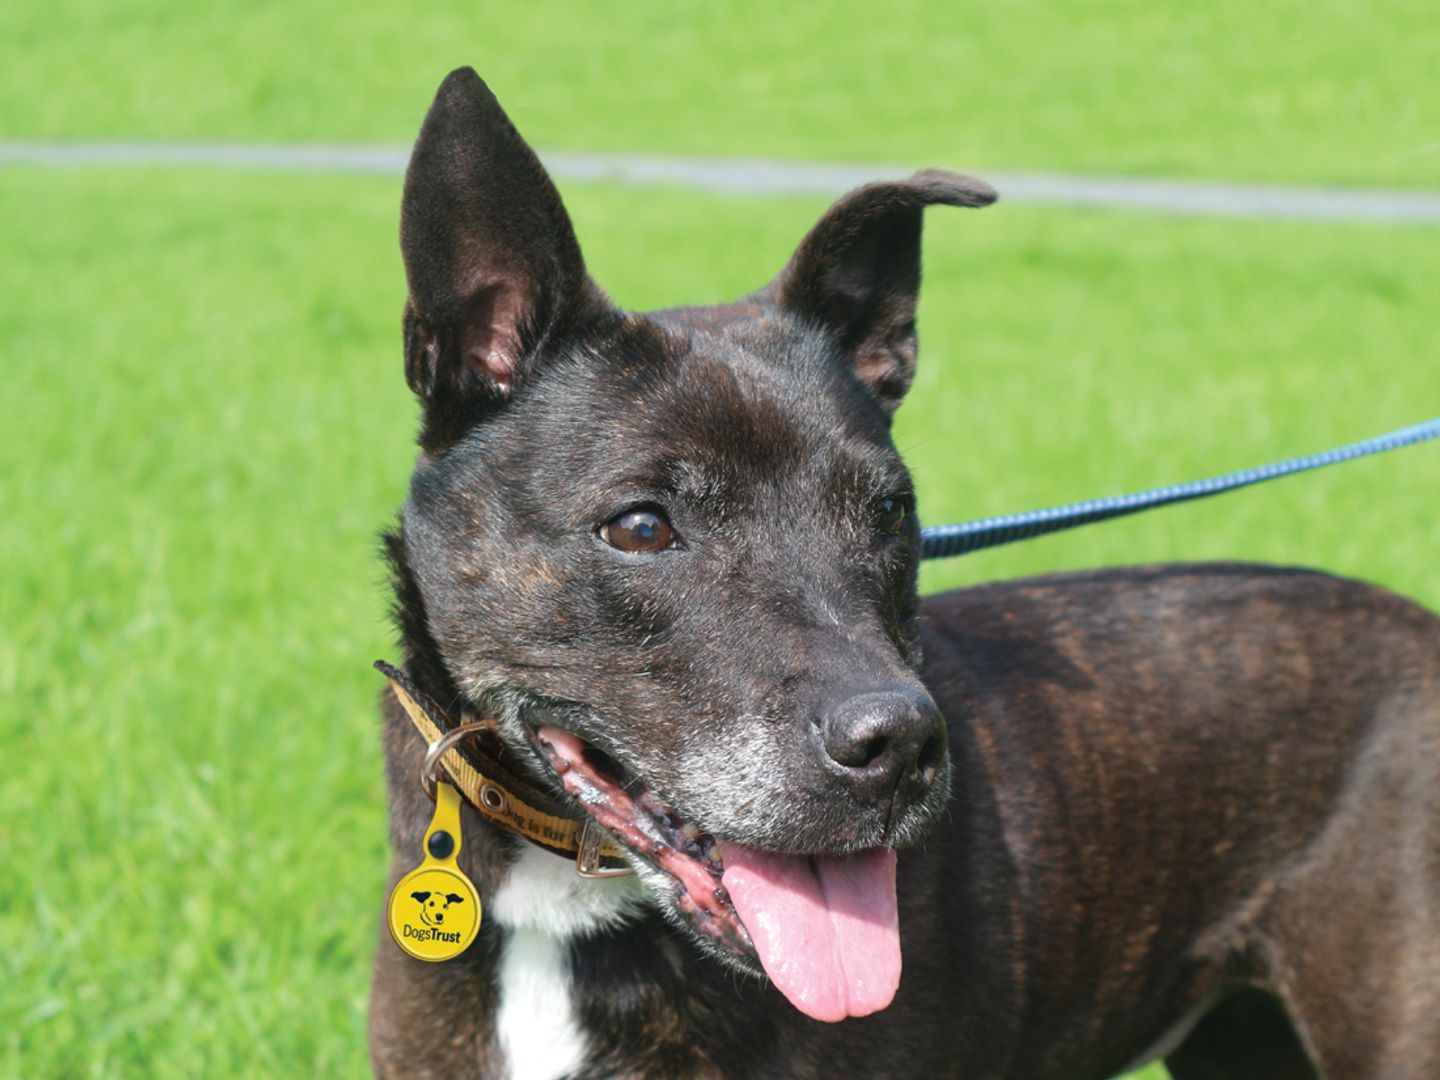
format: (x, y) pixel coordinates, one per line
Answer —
(1186, 811)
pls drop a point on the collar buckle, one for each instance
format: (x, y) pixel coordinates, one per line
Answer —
(587, 858)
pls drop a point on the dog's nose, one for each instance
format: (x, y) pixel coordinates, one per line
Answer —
(439, 917)
(884, 739)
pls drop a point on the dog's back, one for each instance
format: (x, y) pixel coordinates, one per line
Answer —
(1215, 779)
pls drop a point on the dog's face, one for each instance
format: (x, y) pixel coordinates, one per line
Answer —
(674, 554)
(434, 905)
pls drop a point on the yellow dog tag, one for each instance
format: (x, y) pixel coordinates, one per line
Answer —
(434, 910)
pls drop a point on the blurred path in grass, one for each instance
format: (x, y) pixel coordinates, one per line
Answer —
(762, 177)
(1308, 91)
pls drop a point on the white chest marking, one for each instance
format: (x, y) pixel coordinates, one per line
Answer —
(543, 892)
(543, 904)
(536, 1024)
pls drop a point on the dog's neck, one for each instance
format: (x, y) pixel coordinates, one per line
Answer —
(541, 893)
(544, 905)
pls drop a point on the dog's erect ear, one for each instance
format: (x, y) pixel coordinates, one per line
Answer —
(490, 256)
(858, 273)
(421, 896)
(454, 898)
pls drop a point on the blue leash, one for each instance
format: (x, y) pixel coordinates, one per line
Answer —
(943, 541)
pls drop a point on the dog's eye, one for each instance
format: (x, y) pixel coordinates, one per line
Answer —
(640, 530)
(890, 515)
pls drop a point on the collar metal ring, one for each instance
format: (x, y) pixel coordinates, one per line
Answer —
(430, 768)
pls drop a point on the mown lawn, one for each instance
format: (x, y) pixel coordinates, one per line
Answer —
(206, 423)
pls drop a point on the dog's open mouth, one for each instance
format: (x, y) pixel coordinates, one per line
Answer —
(824, 927)
(632, 814)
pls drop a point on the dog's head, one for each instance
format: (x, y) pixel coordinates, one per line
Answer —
(434, 905)
(675, 554)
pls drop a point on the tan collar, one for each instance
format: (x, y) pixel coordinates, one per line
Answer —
(501, 797)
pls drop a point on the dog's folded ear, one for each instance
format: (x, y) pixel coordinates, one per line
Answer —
(421, 896)
(492, 262)
(857, 273)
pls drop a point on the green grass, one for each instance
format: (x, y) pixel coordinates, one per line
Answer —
(206, 423)
(1334, 90)
(193, 831)
(209, 425)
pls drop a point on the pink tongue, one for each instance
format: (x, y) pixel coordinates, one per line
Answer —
(826, 926)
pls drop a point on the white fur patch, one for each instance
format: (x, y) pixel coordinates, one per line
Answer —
(543, 904)
(536, 1023)
(543, 892)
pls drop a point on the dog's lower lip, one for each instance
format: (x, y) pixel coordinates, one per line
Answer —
(624, 806)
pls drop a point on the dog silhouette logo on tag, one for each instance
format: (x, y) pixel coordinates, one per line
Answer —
(434, 910)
